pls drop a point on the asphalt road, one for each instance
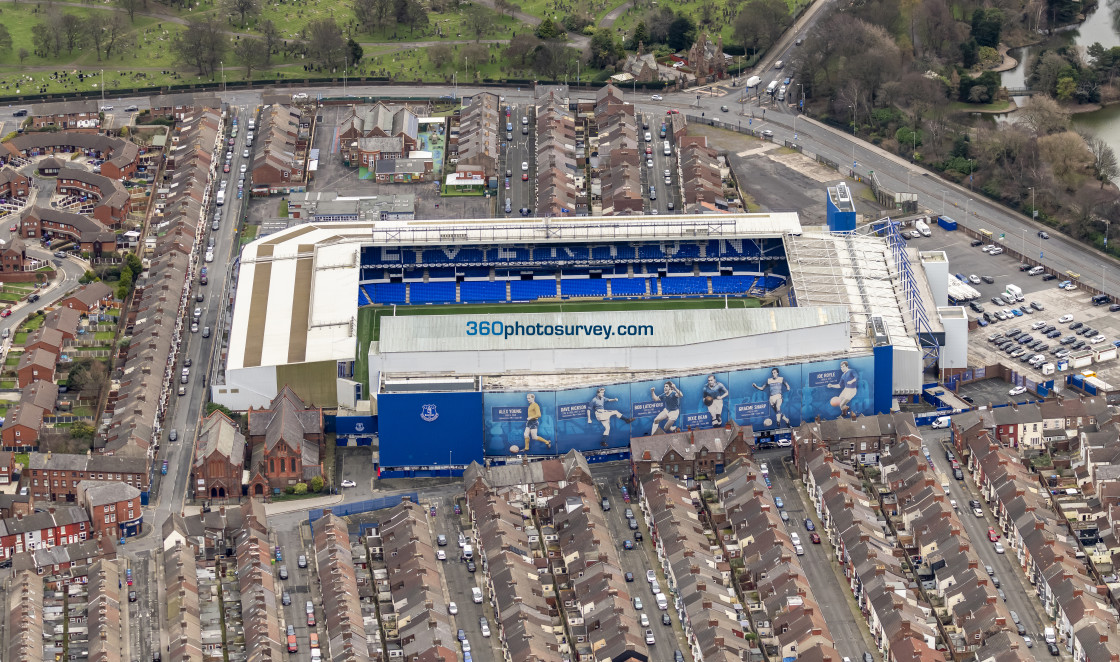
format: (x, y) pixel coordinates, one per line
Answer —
(1012, 580)
(521, 149)
(301, 586)
(833, 598)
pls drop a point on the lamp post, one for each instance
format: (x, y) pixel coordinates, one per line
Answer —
(966, 205)
(102, 88)
(969, 176)
(943, 203)
(223, 75)
(1034, 210)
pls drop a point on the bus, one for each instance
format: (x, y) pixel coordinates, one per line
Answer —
(986, 235)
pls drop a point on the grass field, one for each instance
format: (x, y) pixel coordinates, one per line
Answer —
(369, 317)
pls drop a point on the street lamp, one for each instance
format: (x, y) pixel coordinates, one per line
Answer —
(966, 204)
(943, 203)
(1034, 210)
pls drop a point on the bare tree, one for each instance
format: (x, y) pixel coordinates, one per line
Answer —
(129, 6)
(1066, 154)
(1105, 166)
(479, 21)
(242, 8)
(118, 36)
(251, 53)
(73, 30)
(1043, 115)
(95, 31)
(325, 43)
(271, 35)
(475, 55)
(22, 55)
(202, 44)
(439, 55)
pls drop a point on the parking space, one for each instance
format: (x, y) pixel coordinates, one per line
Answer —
(461, 579)
(1043, 304)
(638, 561)
(833, 598)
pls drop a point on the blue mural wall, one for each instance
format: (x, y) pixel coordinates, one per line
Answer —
(425, 429)
(609, 415)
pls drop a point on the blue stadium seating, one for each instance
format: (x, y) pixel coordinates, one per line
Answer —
(441, 273)
(772, 282)
(414, 274)
(629, 287)
(622, 270)
(680, 268)
(531, 290)
(363, 298)
(580, 287)
(474, 272)
(388, 292)
(650, 252)
(506, 254)
(708, 267)
(439, 292)
(573, 271)
(684, 250)
(482, 291)
(732, 284)
(684, 285)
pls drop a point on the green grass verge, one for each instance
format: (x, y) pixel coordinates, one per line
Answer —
(249, 233)
(21, 338)
(23, 458)
(33, 322)
(103, 336)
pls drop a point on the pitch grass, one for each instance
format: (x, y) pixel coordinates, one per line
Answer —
(369, 317)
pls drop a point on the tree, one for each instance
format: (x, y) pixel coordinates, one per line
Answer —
(553, 59)
(1067, 156)
(475, 55)
(325, 45)
(356, 52)
(242, 8)
(365, 12)
(506, 7)
(1043, 115)
(547, 29)
(639, 36)
(760, 23)
(202, 44)
(439, 55)
(5, 39)
(480, 21)
(73, 29)
(986, 26)
(22, 55)
(212, 407)
(118, 36)
(41, 39)
(605, 49)
(95, 31)
(129, 6)
(271, 35)
(81, 430)
(1105, 166)
(412, 14)
(301, 488)
(522, 46)
(682, 32)
(316, 484)
(1066, 87)
(251, 53)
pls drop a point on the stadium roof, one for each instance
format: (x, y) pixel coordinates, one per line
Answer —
(298, 288)
(853, 270)
(595, 330)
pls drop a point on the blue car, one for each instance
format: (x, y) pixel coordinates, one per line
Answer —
(1063, 285)
(981, 322)
(1016, 312)
(778, 502)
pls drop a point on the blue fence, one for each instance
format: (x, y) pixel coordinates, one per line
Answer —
(344, 509)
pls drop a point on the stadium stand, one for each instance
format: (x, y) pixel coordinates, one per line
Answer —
(475, 272)
(482, 291)
(684, 285)
(531, 290)
(389, 292)
(441, 273)
(629, 287)
(680, 268)
(732, 284)
(584, 287)
(364, 299)
(438, 292)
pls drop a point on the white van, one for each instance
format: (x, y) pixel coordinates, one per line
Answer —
(221, 198)
(772, 87)
(476, 595)
(940, 423)
(922, 228)
(667, 150)
(662, 601)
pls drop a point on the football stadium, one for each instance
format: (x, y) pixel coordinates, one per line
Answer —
(467, 340)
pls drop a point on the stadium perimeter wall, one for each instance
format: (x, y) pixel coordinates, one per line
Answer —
(422, 432)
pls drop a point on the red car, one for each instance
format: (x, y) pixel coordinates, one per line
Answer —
(992, 535)
(815, 538)
(311, 619)
(6, 313)
(524, 176)
(225, 168)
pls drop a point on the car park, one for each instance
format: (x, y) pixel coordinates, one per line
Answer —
(1018, 390)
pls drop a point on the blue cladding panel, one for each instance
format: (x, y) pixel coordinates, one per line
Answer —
(421, 429)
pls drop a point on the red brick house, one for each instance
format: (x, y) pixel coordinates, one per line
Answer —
(13, 184)
(89, 234)
(63, 525)
(56, 476)
(218, 459)
(66, 115)
(113, 508)
(88, 297)
(34, 365)
(20, 432)
(13, 256)
(65, 321)
(286, 442)
(47, 338)
(693, 453)
(112, 197)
